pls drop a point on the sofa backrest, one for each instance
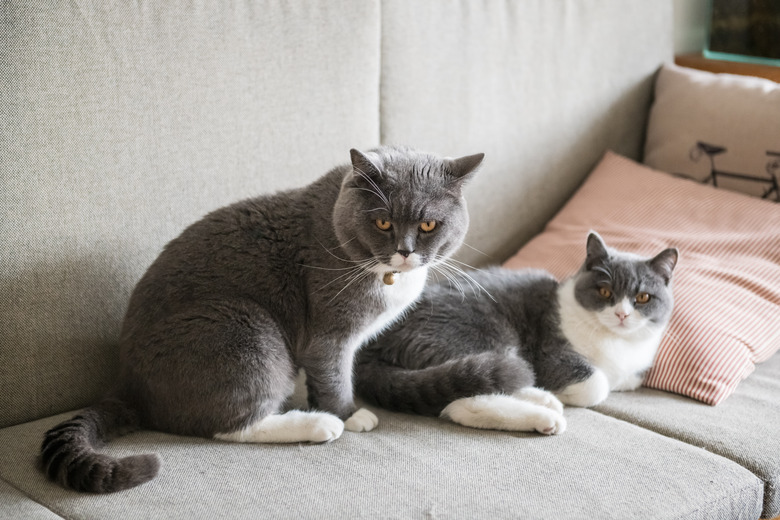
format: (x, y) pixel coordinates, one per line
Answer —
(121, 123)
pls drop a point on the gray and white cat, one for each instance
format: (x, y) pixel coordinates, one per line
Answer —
(219, 325)
(506, 357)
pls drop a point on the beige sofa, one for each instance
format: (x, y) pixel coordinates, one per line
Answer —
(120, 123)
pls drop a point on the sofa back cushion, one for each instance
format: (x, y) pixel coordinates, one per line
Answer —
(123, 122)
(541, 87)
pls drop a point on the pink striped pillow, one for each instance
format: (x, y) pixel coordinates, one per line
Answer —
(726, 284)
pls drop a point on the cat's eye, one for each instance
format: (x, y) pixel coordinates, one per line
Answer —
(428, 226)
(605, 293)
(382, 224)
(642, 297)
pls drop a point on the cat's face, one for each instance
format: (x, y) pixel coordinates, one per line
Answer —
(402, 208)
(626, 293)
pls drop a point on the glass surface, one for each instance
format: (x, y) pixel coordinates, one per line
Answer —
(744, 30)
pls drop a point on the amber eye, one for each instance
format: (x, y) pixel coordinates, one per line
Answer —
(428, 226)
(384, 225)
(605, 293)
(642, 297)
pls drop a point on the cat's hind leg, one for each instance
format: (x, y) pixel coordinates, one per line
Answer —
(504, 412)
(290, 427)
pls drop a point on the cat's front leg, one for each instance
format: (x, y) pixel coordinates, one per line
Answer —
(329, 384)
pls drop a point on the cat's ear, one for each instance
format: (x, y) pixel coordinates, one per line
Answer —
(664, 263)
(596, 251)
(463, 168)
(363, 166)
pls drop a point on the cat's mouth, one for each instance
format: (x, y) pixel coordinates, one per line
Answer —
(405, 262)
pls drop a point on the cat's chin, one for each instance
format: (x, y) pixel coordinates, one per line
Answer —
(626, 329)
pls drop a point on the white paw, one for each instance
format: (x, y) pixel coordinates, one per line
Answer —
(503, 412)
(324, 427)
(361, 421)
(549, 422)
(540, 397)
(586, 393)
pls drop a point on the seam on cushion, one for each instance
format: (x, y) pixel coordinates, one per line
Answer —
(669, 434)
(11, 485)
(708, 507)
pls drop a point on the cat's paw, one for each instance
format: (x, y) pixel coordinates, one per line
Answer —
(541, 397)
(586, 393)
(323, 427)
(361, 421)
(549, 422)
(503, 412)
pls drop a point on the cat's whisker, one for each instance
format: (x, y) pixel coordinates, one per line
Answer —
(353, 271)
(376, 189)
(477, 250)
(329, 251)
(352, 267)
(457, 273)
(379, 191)
(437, 268)
(467, 277)
(354, 279)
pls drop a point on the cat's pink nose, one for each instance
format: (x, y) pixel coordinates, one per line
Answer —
(622, 315)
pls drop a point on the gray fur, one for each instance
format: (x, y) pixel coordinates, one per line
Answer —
(457, 343)
(220, 323)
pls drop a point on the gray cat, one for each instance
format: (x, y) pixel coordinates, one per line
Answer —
(219, 325)
(482, 358)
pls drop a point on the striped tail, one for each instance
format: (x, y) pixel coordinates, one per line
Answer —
(428, 391)
(68, 451)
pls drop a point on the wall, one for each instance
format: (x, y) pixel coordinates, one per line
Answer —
(690, 25)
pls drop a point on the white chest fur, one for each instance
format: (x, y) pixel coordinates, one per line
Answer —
(397, 298)
(621, 358)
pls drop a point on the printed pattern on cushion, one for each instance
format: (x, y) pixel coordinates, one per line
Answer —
(727, 281)
(719, 129)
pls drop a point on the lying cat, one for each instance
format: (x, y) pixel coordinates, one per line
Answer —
(481, 358)
(219, 325)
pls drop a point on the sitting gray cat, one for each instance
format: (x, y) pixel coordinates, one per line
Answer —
(482, 358)
(220, 324)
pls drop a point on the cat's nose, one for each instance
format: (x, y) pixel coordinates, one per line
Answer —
(404, 253)
(622, 315)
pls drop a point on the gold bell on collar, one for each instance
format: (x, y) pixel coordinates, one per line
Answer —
(389, 277)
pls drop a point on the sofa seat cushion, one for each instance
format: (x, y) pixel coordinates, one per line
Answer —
(410, 467)
(14, 504)
(743, 428)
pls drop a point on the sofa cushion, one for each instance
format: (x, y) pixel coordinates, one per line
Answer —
(726, 290)
(744, 428)
(14, 504)
(411, 467)
(542, 88)
(120, 124)
(702, 122)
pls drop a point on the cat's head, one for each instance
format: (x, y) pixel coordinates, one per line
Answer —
(403, 208)
(625, 292)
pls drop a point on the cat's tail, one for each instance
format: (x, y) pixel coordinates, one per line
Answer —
(68, 453)
(429, 390)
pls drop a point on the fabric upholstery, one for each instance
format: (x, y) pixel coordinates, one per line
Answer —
(727, 281)
(411, 467)
(123, 122)
(744, 428)
(700, 122)
(542, 88)
(14, 504)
